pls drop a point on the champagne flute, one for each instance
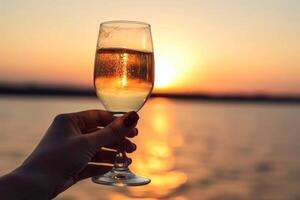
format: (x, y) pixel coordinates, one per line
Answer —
(123, 79)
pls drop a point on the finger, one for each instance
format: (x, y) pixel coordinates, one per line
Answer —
(90, 119)
(104, 156)
(113, 146)
(113, 132)
(91, 130)
(132, 133)
(92, 170)
(127, 145)
(129, 161)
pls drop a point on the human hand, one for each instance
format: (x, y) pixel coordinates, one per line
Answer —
(71, 142)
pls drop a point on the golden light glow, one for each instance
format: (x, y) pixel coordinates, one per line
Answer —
(155, 159)
(124, 80)
(201, 46)
(123, 197)
(164, 73)
(193, 52)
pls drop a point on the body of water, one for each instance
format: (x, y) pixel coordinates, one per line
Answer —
(190, 149)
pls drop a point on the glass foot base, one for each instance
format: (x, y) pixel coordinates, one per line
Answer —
(120, 178)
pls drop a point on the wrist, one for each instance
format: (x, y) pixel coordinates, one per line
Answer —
(32, 184)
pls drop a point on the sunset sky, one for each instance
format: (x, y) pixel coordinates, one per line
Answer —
(218, 46)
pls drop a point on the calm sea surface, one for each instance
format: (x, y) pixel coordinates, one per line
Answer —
(190, 149)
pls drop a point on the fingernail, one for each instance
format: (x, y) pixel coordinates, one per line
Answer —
(130, 119)
(134, 147)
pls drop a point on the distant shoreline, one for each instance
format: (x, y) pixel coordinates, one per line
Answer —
(77, 92)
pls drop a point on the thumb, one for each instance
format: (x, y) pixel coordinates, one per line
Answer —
(113, 132)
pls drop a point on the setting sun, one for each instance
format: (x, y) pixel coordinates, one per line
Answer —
(164, 73)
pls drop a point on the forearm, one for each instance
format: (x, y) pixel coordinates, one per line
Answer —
(19, 185)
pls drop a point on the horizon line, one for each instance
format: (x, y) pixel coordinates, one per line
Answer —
(34, 90)
(70, 87)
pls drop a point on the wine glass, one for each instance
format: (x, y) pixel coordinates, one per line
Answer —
(123, 79)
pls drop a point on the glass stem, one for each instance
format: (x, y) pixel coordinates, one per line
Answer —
(121, 161)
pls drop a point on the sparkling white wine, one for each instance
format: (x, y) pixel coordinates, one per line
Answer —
(123, 78)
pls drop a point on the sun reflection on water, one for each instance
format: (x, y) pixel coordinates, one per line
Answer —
(155, 159)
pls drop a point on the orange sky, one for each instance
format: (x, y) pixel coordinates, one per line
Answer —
(211, 46)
